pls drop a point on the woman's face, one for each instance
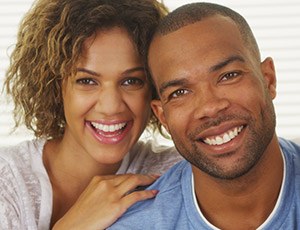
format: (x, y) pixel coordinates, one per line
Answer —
(107, 103)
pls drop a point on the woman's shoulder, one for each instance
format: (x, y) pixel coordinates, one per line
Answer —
(21, 170)
(22, 159)
(151, 157)
(21, 153)
(153, 146)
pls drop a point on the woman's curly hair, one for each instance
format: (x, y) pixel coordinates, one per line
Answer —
(49, 44)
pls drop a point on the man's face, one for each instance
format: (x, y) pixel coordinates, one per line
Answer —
(215, 96)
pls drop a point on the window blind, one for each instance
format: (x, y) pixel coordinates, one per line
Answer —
(11, 12)
(276, 25)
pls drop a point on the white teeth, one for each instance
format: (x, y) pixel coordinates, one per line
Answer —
(226, 137)
(231, 135)
(108, 128)
(219, 140)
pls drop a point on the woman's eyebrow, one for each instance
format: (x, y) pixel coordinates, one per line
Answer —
(84, 70)
(139, 68)
(88, 71)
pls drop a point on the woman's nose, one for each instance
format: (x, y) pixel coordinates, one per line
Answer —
(110, 101)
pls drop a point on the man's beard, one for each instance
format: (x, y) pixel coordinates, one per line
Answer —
(258, 139)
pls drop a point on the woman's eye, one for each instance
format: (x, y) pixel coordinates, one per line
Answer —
(85, 81)
(133, 83)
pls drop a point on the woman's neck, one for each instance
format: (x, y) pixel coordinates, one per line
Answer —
(70, 171)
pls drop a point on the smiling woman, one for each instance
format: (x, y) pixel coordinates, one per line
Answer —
(106, 102)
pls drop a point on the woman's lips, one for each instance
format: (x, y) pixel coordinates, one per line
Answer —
(108, 128)
(109, 133)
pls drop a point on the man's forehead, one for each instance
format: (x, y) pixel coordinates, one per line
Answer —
(215, 26)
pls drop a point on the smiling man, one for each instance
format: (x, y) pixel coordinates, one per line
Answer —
(215, 99)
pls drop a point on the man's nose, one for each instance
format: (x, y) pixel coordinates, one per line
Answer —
(209, 102)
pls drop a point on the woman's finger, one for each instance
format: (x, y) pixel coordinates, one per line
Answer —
(135, 182)
(136, 196)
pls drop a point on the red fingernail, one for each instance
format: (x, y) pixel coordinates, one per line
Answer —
(154, 192)
(155, 175)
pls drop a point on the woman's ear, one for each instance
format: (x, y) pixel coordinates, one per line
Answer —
(159, 112)
(268, 71)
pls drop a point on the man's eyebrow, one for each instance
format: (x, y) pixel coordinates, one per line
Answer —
(173, 83)
(227, 61)
(87, 71)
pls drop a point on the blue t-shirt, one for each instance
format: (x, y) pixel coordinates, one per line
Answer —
(174, 206)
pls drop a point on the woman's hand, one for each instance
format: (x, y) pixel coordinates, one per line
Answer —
(105, 199)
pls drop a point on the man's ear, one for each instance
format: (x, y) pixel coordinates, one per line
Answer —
(159, 112)
(268, 71)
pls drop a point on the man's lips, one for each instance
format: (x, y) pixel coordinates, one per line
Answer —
(223, 137)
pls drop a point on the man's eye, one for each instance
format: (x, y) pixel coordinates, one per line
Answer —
(178, 93)
(229, 76)
(133, 83)
(85, 81)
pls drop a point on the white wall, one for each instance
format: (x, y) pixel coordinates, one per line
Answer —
(275, 23)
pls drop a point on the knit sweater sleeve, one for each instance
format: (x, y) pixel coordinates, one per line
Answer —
(10, 216)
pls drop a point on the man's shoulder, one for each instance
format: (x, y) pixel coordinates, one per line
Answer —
(169, 182)
(171, 179)
(169, 199)
(291, 150)
(289, 147)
